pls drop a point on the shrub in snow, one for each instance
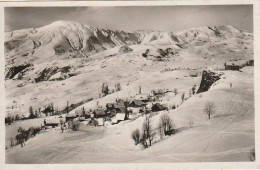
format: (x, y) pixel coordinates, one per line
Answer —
(148, 133)
(167, 125)
(209, 109)
(136, 136)
(183, 96)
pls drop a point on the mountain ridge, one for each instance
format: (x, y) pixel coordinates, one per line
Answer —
(90, 39)
(65, 55)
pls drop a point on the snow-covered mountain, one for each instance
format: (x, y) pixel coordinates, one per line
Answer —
(69, 50)
(71, 37)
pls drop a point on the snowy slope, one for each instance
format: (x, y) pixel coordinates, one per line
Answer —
(227, 137)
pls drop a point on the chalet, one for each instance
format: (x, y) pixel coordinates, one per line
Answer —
(122, 113)
(98, 113)
(51, 123)
(136, 103)
(143, 97)
(232, 66)
(118, 105)
(70, 117)
(158, 107)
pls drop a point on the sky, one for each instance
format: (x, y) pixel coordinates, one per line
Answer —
(130, 18)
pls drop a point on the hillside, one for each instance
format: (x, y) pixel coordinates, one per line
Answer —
(66, 64)
(75, 60)
(227, 137)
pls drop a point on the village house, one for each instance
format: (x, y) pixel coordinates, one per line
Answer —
(121, 114)
(51, 123)
(137, 103)
(99, 113)
(118, 105)
(158, 107)
(232, 65)
(28, 116)
(70, 117)
(143, 97)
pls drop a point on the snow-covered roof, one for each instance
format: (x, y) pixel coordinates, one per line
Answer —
(120, 116)
(99, 112)
(238, 63)
(114, 120)
(137, 102)
(100, 121)
(55, 76)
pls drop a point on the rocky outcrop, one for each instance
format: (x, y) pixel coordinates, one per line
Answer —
(208, 78)
(47, 73)
(12, 71)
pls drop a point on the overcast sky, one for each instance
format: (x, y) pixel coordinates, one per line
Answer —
(167, 18)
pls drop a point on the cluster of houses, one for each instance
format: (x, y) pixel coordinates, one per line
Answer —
(118, 111)
(113, 112)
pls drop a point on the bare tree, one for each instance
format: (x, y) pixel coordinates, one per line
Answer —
(148, 133)
(136, 136)
(39, 110)
(31, 110)
(105, 88)
(52, 108)
(193, 89)
(36, 113)
(209, 109)
(160, 129)
(118, 86)
(167, 124)
(183, 96)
